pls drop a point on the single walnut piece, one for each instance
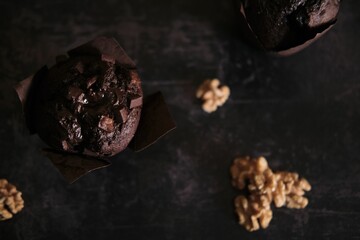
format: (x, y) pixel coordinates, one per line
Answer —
(256, 172)
(254, 212)
(212, 94)
(11, 201)
(265, 187)
(292, 190)
(260, 180)
(240, 171)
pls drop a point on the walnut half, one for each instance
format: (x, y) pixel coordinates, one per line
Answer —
(212, 94)
(11, 201)
(254, 212)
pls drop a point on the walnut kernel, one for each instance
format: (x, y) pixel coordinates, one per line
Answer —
(11, 201)
(253, 212)
(265, 187)
(212, 94)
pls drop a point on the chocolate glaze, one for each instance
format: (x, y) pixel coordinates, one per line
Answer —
(283, 24)
(86, 104)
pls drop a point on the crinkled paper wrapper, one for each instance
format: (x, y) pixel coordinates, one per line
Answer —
(155, 119)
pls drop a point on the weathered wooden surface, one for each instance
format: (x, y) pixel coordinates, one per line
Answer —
(301, 112)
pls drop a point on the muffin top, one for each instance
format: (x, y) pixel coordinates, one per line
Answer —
(88, 104)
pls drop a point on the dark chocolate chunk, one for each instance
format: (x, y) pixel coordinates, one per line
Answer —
(78, 107)
(155, 122)
(135, 101)
(82, 99)
(91, 81)
(74, 166)
(70, 128)
(74, 93)
(79, 67)
(107, 58)
(122, 115)
(65, 145)
(120, 96)
(106, 124)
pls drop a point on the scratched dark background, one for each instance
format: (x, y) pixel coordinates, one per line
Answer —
(301, 112)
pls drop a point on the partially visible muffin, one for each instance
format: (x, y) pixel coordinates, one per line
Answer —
(283, 24)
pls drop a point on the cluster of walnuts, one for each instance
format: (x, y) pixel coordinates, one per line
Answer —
(265, 187)
(212, 94)
(11, 201)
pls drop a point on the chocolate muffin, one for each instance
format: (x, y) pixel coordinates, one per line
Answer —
(283, 24)
(88, 104)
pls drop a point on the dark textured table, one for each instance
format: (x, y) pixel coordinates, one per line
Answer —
(301, 112)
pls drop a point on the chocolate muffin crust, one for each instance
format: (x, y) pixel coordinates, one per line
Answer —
(89, 104)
